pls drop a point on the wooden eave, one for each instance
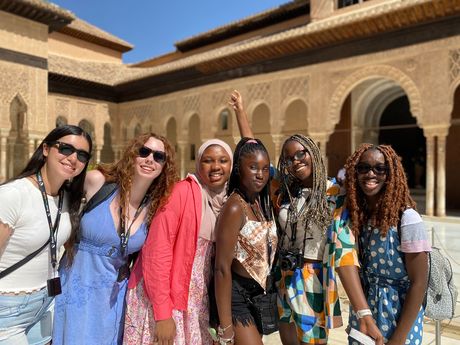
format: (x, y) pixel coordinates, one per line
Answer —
(96, 40)
(37, 11)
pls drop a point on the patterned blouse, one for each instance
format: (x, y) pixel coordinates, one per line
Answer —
(339, 252)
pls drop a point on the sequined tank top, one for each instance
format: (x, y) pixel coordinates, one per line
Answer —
(252, 248)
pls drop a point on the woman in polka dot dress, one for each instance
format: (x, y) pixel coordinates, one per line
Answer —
(394, 262)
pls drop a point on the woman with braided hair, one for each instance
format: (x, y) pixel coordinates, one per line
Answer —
(314, 242)
(392, 240)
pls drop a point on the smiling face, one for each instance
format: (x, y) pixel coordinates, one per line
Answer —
(372, 174)
(298, 161)
(62, 166)
(214, 167)
(254, 172)
(148, 167)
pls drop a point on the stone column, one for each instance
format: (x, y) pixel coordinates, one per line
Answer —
(441, 176)
(31, 148)
(97, 156)
(3, 152)
(430, 155)
(321, 140)
(182, 157)
(278, 140)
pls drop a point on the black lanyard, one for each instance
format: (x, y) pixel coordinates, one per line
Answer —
(53, 229)
(124, 235)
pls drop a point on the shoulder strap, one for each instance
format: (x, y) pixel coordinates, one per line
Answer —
(101, 195)
(18, 264)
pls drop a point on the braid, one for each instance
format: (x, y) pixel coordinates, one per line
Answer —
(394, 197)
(316, 210)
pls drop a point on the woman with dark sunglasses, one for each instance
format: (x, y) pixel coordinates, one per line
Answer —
(314, 243)
(38, 213)
(392, 240)
(96, 267)
(168, 290)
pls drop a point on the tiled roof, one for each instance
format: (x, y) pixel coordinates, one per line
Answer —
(85, 31)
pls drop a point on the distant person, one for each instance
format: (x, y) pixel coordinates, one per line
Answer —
(393, 243)
(38, 209)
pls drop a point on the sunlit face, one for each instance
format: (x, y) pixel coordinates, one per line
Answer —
(372, 173)
(148, 167)
(254, 172)
(214, 167)
(298, 161)
(65, 166)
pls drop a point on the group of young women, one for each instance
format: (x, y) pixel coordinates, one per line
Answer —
(142, 253)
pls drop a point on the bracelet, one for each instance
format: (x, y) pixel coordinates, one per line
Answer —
(363, 312)
(225, 341)
(221, 330)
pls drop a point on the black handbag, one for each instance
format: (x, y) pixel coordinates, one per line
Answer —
(265, 312)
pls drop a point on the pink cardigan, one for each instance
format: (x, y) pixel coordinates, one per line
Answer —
(166, 259)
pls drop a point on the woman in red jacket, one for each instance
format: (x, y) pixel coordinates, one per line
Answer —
(168, 300)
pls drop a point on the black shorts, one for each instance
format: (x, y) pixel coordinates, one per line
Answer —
(242, 288)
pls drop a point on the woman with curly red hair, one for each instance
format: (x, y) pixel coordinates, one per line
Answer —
(95, 270)
(393, 243)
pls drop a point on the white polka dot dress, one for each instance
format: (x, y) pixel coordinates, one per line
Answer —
(385, 283)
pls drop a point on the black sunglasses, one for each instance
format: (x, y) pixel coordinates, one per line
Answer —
(364, 168)
(298, 156)
(158, 156)
(68, 149)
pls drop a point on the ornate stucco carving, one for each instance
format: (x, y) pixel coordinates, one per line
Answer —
(454, 64)
(294, 87)
(191, 104)
(383, 71)
(168, 108)
(62, 107)
(220, 98)
(259, 91)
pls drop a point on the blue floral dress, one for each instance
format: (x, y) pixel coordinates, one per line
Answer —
(385, 279)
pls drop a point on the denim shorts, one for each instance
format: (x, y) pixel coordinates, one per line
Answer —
(26, 319)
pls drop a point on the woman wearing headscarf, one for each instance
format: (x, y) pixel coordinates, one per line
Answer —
(167, 301)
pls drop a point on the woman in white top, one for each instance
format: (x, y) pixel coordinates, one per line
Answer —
(38, 209)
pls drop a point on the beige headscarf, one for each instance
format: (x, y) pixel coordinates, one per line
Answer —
(213, 200)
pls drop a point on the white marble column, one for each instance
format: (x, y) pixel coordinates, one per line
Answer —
(441, 176)
(278, 140)
(31, 148)
(430, 157)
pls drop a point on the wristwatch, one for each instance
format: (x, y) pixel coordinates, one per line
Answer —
(363, 312)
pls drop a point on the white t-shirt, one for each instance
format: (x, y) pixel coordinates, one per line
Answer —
(315, 243)
(21, 206)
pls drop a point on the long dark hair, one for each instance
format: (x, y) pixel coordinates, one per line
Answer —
(245, 147)
(74, 188)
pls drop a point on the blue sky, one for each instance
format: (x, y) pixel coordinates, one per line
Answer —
(153, 26)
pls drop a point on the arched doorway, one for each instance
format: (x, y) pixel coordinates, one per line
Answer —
(17, 154)
(225, 127)
(107, 153)
(295, 118)
(452, 161)
(61, 121)
(262, 128)
(171, 135)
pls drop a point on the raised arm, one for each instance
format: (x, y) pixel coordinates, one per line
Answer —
(236, 102)
(227, 230)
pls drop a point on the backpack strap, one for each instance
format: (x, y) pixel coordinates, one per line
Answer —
(22, 262)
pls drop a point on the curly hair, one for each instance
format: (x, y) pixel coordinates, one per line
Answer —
(316, 210)
(247, 146)
(394, 197)
(121, 172)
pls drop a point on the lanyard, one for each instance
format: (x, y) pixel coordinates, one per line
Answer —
(53, 229)
(124, 235)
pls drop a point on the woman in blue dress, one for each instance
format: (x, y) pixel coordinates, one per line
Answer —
(392, 242)
(94, 271)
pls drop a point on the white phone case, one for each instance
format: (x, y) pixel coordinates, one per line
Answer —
(361, 337)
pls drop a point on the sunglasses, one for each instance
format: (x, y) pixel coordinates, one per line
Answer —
(364, 168)
(298, 156)
(68, 149)
(158, 156)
